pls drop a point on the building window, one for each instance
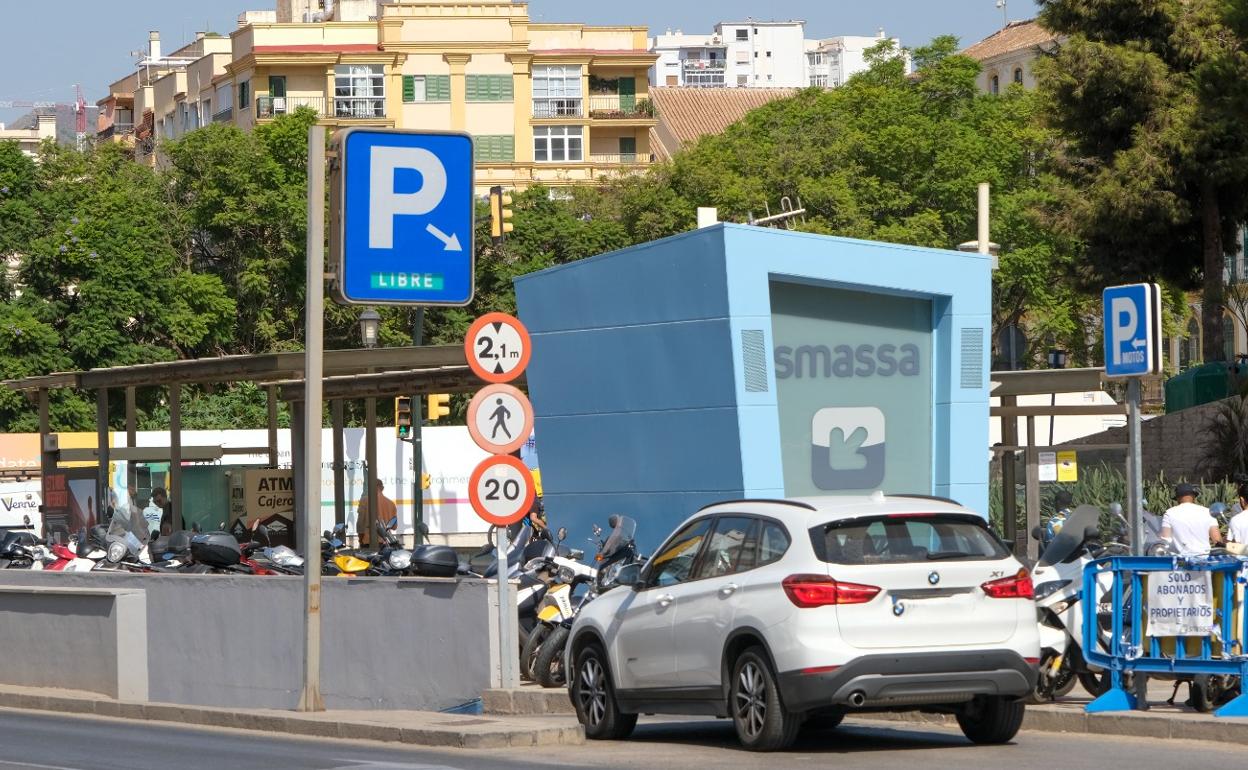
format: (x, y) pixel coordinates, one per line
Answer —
(489, 88)
(743, 34)
(426, 88)
(995, 85)
(494, 149)
(819, 81)
(1018, 75)
(1189, 349)
(743, 57)
(1228, 337)
(769, 54)
(743, 80)
(557, 91)
(558, 144)
(359, 91)
(244, 94)
(816, 58)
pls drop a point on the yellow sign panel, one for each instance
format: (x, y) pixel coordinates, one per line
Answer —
(1067, 466)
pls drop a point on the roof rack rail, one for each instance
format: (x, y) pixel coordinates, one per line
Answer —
(936, 498)
(796, 503)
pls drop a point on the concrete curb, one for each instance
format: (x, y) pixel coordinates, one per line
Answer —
(412, 728)
(1045, 719)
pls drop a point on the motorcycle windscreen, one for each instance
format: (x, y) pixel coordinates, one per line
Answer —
(1074, 533)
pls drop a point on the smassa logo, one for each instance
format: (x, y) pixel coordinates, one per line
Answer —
(814, 361)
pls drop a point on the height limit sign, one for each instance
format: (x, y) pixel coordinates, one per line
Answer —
(500, 418)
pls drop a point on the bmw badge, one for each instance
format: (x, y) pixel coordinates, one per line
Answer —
(933, 578)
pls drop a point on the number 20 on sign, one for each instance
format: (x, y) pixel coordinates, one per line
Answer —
(501, 490)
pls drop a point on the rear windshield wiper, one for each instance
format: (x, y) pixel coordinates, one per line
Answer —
(938, 555)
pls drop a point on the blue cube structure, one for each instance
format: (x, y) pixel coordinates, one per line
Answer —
(738, 361)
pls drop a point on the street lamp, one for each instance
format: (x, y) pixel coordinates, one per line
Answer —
(370, 322)
(1057, 360)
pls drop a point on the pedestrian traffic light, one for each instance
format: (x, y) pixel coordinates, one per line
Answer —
(500, 212)
(425, 481)
(403, 417)
(439, 406)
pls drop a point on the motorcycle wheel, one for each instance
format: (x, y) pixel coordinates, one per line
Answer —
(1208, 692)
(532, 647)
(548, 668)
(1049, 687)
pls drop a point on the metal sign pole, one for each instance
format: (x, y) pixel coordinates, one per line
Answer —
(507, 620)
(1135, 480)
(310, 699)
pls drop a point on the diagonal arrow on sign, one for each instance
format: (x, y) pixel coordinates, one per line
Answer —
(451, 242)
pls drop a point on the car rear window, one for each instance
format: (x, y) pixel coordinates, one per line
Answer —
(906, 538)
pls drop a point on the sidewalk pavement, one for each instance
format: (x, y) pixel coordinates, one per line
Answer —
(418, 728)
(1067, 716)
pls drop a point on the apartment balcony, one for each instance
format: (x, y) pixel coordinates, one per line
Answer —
(224, 116)
(705, 65)
(621, 159)
(116, 130)
(272, 106)
(359, 107)
(615, 107)
(562, 107)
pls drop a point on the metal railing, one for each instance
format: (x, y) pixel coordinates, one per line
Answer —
(620, 158)
(116, 129)
(705, 64)
(616, 106)
(562, 107)
(359, 106)
(272, 106)
(223, 116)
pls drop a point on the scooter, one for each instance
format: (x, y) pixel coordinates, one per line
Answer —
(617, 550)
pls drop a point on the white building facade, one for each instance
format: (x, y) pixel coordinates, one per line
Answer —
(758, 54)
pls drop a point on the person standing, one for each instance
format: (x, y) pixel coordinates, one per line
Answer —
(388, 515)
(1237, 531)
(1188, 525)
(160, 499)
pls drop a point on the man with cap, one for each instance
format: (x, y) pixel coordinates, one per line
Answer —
(1189, 526)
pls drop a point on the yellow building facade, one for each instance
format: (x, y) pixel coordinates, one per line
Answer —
(556, 104)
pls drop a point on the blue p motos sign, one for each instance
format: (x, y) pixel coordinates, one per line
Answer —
(402, 217)
(1132, 330)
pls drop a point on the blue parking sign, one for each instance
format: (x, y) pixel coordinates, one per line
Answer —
(1132, 330)
(403, 216)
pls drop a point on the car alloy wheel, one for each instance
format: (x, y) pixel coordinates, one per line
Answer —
(751, 699)
(592, 692)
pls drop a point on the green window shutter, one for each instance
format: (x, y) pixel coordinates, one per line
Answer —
(497, 148)
(507, 88)
(409, 88)
(472, 87)
(438, 88)
(489, 88)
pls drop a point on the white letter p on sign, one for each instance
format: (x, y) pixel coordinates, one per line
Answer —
(385, 204)
(1125, 322)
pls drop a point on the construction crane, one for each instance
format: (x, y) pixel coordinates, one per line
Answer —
(79, 108)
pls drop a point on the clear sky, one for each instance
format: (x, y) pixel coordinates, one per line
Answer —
(46, 46)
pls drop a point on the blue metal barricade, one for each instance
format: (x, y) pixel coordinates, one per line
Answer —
(1124, 649)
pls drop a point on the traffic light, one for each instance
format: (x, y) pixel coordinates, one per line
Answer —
(425, 481)
(403, 417)
(439, 406)
(500, 212)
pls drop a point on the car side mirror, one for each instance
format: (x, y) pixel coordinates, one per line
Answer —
(628, 575)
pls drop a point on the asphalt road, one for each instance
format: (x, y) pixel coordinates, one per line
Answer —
(38, 741)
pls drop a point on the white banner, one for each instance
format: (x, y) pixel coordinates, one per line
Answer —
(1180, 603)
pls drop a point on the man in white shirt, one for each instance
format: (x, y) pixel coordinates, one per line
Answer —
(1190, 527)
(1237, 531)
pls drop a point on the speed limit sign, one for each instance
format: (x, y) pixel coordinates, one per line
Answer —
(501, 490)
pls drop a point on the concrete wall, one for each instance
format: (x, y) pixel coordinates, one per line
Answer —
(234, 641)
(1171, 444)
(89, 639)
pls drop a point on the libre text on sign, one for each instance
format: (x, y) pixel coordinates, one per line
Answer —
(402, 216)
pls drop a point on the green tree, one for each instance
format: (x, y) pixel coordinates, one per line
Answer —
(1147, 96)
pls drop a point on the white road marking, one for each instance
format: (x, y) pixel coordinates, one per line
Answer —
(34, 766)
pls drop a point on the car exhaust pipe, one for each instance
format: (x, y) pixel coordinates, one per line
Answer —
(857, 699)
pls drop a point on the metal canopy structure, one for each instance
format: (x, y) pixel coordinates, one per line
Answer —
(366, 373)
(1008, 386)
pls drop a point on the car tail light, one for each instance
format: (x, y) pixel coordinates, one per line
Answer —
(821, 590)
(1014, 587)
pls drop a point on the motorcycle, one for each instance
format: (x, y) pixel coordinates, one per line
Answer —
(16, 545)
(616, 551)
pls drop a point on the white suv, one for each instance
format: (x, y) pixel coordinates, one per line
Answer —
(775, 612)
